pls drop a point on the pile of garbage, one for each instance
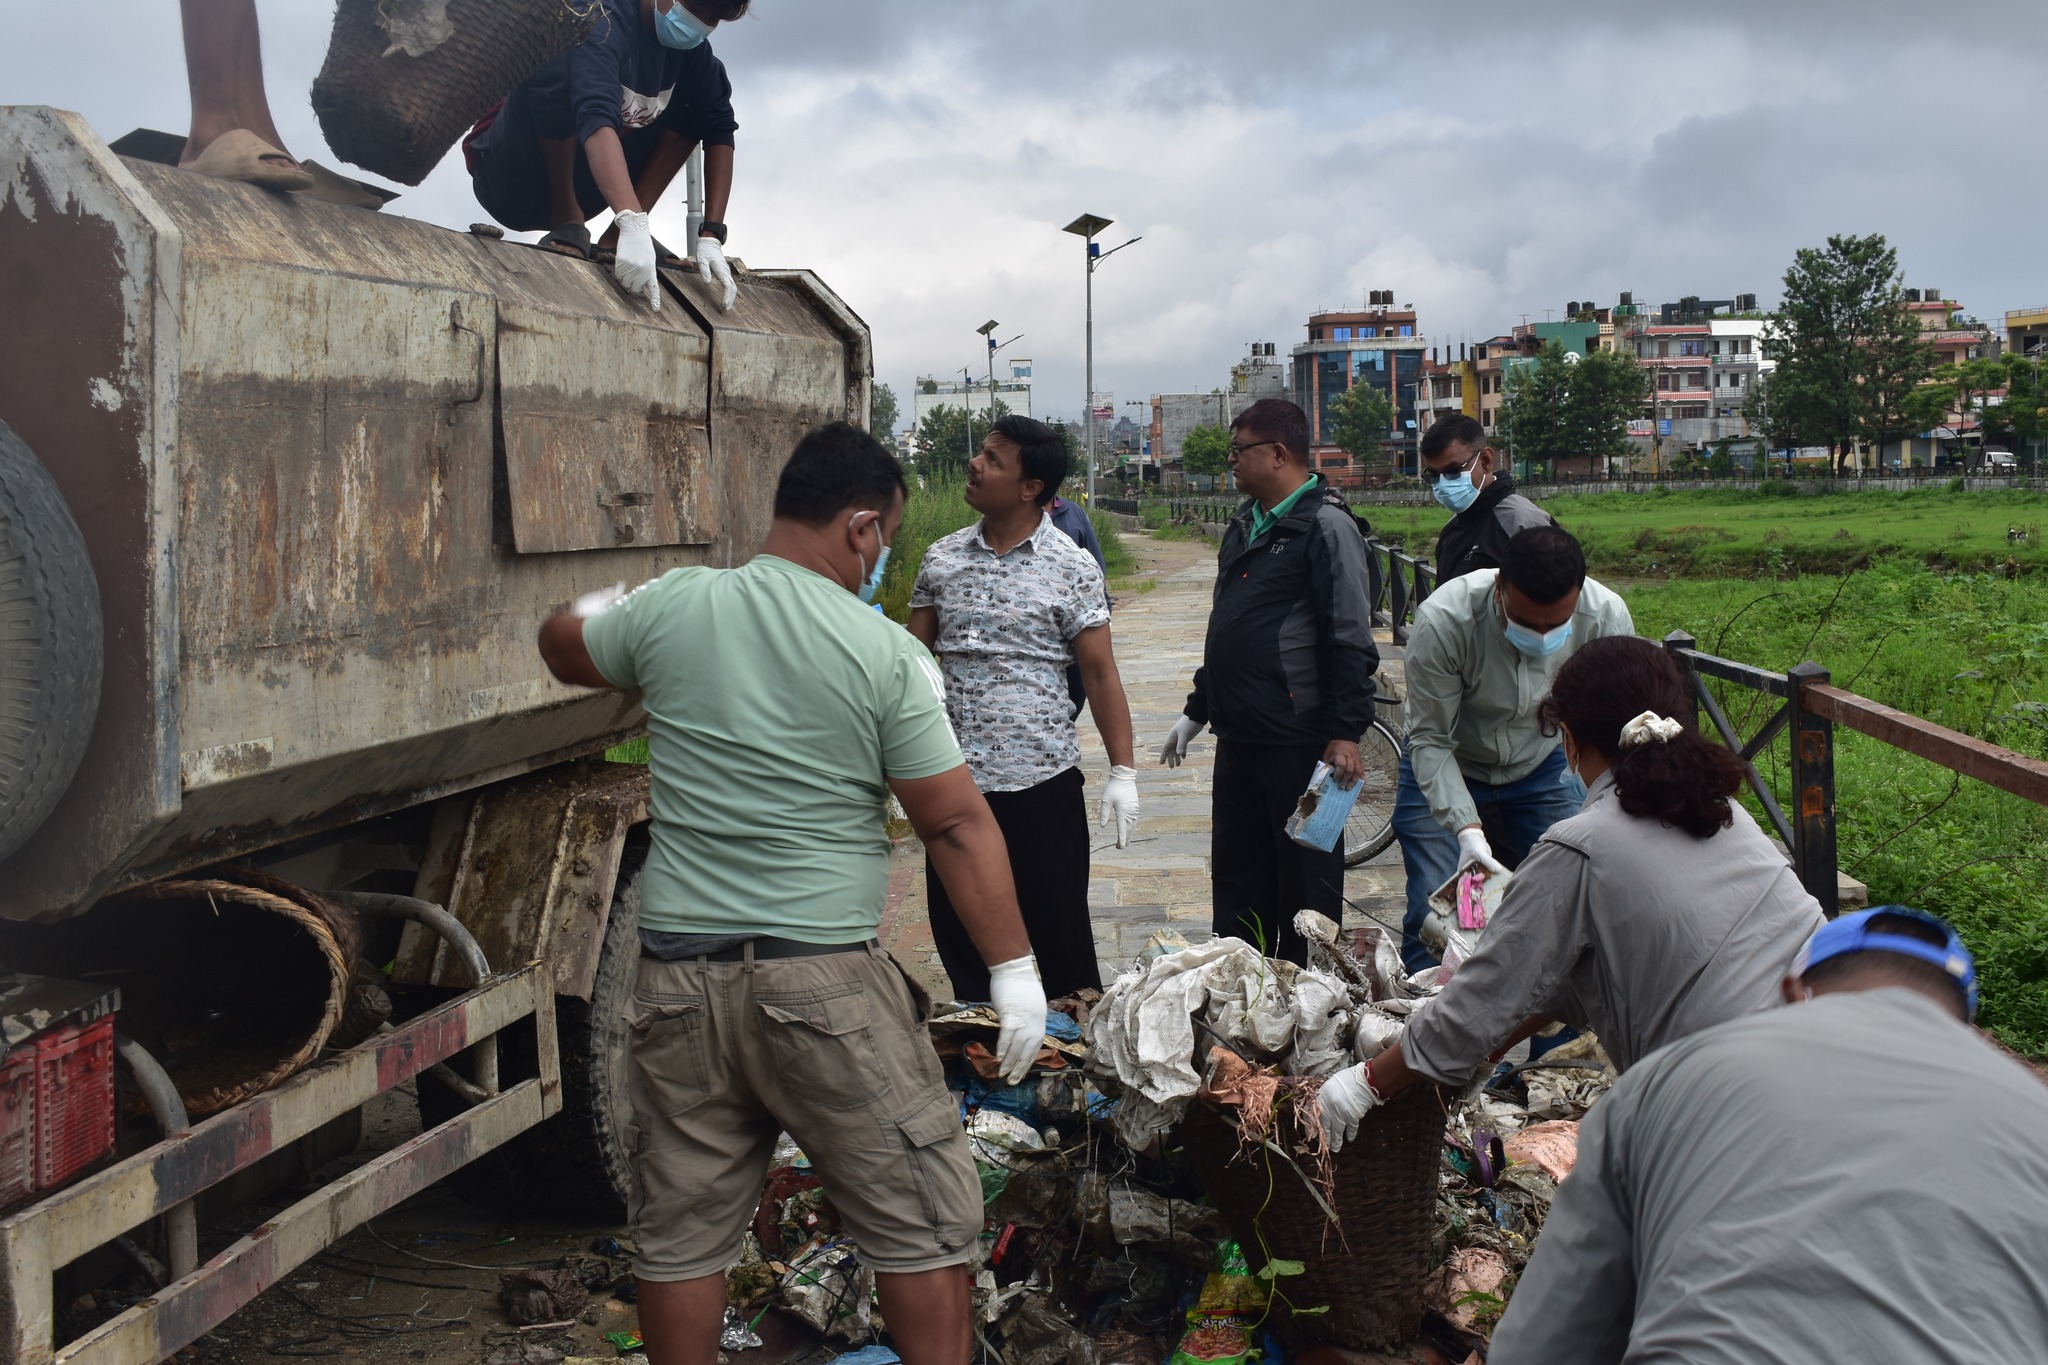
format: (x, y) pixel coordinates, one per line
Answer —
(1101, 1245)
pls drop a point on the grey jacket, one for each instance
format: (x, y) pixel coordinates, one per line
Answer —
(1472, 696)
(1859, 1178)
(1636, 929)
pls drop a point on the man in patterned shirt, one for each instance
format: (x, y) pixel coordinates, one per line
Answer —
(1005, 604)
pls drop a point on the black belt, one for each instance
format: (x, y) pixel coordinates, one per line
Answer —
(767, 947)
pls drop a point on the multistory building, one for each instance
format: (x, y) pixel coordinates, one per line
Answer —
(1259, 375)
(1378, 345)
(970, 389)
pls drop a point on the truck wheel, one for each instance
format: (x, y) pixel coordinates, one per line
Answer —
(577, 1161)
(51, 643)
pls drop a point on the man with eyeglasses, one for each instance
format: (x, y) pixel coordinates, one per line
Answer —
(1285, 681)
(1460, 469)
(1480, 780)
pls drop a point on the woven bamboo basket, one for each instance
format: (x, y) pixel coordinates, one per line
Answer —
(396, 113)
(1369, 1267)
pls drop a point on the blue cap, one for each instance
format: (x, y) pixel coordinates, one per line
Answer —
(1855, 933)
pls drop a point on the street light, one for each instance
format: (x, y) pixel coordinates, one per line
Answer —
(1085, 227)
(987, 330)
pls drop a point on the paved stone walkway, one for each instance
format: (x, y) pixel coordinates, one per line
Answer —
(1162, 879)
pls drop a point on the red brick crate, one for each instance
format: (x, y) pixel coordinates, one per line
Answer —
(74, 1100)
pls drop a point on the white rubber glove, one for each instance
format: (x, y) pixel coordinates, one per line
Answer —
(634, 266)
(1176, 747)
(711, 264)
(1120, 802)
(1347, 1097)
(599, 601)
(1473, 848)
(1019, 998)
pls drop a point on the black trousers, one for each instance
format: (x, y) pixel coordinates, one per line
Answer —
(1046, 827)
(1258, 876)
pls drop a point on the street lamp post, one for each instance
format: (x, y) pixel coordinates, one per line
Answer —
(1085, 227)
(987, 330)
(967, 405)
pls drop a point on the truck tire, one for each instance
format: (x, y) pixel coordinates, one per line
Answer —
(577, 1162)
(51, 643)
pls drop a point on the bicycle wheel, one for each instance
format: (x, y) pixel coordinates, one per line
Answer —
(1370, 827)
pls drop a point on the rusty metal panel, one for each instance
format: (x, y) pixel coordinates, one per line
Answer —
(276, 422)
(89, 274)
(777, 370)
(604, 430)
(56, 1230)
(534, 873)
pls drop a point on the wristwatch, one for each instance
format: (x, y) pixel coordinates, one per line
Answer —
(715, 231)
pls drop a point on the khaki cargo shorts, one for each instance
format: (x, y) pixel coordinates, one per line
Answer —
(832, 1048)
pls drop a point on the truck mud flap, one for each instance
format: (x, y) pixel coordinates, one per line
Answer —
(35, 1242)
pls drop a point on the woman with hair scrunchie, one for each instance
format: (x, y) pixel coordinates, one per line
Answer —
(1658, 910)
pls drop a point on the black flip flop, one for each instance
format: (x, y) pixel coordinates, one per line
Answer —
(575, 237)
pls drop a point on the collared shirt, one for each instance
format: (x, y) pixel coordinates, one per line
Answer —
(1006, 629)
(1264, 521)
(1627, 925)
(1858, 1178)
(1472, 696)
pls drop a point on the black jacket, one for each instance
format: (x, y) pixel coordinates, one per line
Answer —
(1290, 656)
(1477, 537)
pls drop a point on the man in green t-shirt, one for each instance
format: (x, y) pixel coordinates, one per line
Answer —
(781, 712)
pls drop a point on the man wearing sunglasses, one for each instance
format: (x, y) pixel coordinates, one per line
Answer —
(1285, 681)
(1480, 780)
(1460, 469)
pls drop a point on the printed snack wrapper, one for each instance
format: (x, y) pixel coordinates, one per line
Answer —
(1460, 910)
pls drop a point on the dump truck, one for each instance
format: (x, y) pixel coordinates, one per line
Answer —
(285, 490)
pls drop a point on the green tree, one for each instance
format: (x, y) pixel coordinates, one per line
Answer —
(1534, 418)
(2022, 417)
(1770, 419)
(1567, 406)
(1206, 450)
(1604, 390)
(883, 412)
(946, 439)
(1361, 419)
(1848, 353)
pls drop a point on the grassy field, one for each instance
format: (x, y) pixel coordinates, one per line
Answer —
(1967, 650)
(1689, 534)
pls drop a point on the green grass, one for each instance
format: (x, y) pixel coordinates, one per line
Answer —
(1714, 534)
(1969, 651)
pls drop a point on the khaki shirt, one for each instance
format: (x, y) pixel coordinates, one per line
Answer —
(1472, 696)
(1624, 924)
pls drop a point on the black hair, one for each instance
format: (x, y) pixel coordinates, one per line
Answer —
(1876, 967)
(834, 467)
(1457, 429)
(1545, 562)
(1276, 419)
(720, 11)
(1684, 782)
(1041, 452)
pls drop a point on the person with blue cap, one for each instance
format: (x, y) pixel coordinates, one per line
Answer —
(1858, 1177)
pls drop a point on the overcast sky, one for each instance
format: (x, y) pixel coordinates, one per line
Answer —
(1486, 161)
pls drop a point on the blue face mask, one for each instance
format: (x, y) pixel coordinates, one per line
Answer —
(1538, 644)
(1455, 491)
(873, 583)
(676, 27)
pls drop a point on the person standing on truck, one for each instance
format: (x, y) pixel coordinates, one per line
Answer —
(1858, 1177)
(781, 713)
(1459, 467)
(607, 125)
(1005, 604)
(1482, 776)
(1286, 680)
(1658, 910)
